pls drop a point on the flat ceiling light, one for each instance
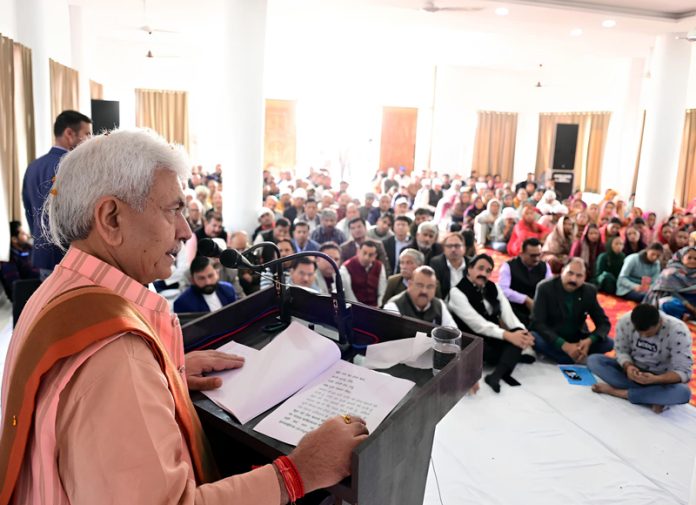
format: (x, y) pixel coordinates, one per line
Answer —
(608, 23)
(576, 32)
(502, 11)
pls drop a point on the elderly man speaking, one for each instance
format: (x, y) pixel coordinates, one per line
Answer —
(95, 401)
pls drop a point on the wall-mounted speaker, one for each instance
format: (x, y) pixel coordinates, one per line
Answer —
(105, 115)
(565, 147)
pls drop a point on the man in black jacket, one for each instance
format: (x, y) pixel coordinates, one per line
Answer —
(450, 267)
(426, 241)
(561, 306)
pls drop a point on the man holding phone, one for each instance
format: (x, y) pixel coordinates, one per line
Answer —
(653, 360)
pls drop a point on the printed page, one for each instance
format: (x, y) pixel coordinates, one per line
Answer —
(344, 388)
(292, 359)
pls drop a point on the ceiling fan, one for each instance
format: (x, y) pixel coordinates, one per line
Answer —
(431, 7)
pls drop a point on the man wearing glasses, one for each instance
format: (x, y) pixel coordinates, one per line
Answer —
(450, 266)
(519, 278)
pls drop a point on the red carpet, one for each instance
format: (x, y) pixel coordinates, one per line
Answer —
(615, 308)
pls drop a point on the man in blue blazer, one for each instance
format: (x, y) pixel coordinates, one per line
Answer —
(207, 292)
(69, 130)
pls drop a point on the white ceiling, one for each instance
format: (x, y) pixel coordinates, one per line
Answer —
(534, 31)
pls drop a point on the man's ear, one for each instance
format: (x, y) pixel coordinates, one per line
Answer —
(108, 219)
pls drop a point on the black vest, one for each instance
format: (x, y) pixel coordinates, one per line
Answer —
(476, 297)
(433, 314)
(524, 280)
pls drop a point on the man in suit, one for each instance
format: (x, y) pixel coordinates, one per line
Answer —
(561, 306)
(419, 300)
(206, 293)
(426, 241)
(450, 266)
(69, 130)
(398, 242)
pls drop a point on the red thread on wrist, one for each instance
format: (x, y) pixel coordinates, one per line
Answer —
(291, 478)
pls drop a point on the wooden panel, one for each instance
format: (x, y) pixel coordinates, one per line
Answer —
(398, 146)
(280, 137)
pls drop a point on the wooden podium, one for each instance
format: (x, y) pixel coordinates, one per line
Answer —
(391, 466)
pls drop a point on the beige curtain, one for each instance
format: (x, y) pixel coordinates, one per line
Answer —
(25, 137)
(592, 133)
(164, 111)
(7, 141)
(494, 150)
(96, 90)
(686, 178)
(65, 89)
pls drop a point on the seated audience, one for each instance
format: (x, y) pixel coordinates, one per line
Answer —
(502, 229)
(299, 197)
(653, 363)
(419, 300)
(351, 213)
(397, 243)
(358, 233)
(383, 208)
(561, 307)
(633, 242)
(368, 206)
(382, 230)
(483, 224)
(212, 227)
(450, 266)
(327, 232)
(195, 215)
(480, 308)
(409, 260)
(326, 278)
(19, 265)
(557, 245)
(286, 249)
(426, 241)
(303, 274)
(678, 240)
(249, 280)
(310, 215)
(206, 292)
(610, 230)
(526, 227)
(609, 265)
(363, 275)
(300, 238)
(588, 248)
(675, 290)
(420, 215)
(520, 276)
(281, 231)
(638, 273)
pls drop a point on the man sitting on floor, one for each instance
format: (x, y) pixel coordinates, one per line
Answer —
(419, 301)
(653, 362)
(450, 267)
(480, 308)
(206, 293)
(519, 278)
(561, 306)
(363, 276)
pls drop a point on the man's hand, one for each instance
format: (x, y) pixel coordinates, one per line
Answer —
(199, 363)
(519, 338)
(645, 378)
(584, 348)
(529, 303)
(572, 350)
(323, 456)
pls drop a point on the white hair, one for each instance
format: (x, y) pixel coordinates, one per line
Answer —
(417, 256)
(120, 163)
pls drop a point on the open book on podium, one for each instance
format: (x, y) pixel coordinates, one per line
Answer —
(260, 413)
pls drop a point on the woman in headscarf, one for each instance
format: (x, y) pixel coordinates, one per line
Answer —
(474, 210)
(581, 221)
(678, 240)
(526, 227)
(622, 213)
(650, 231)
(593, 213)
(557, 245)
(633, 242)
(675, 289)
(483, 223)
(588, 248)
(607, 210)
(609, 265)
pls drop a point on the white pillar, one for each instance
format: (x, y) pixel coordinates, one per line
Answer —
(32, 32)
(242, 113)
(525, 145)
(78, 59)
(664, 124)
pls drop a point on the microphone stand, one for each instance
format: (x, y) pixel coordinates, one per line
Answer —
(342, 317)
(279, 282)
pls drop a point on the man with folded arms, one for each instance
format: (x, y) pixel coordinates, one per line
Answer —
(653, 363)
(419, 301)
(561, 306)
(480, 307)
(101, 358)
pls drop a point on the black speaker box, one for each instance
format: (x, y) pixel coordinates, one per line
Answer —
(105, 115)
(566, 145)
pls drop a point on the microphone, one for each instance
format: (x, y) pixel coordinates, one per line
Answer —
(231, 258)
(208, 247)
